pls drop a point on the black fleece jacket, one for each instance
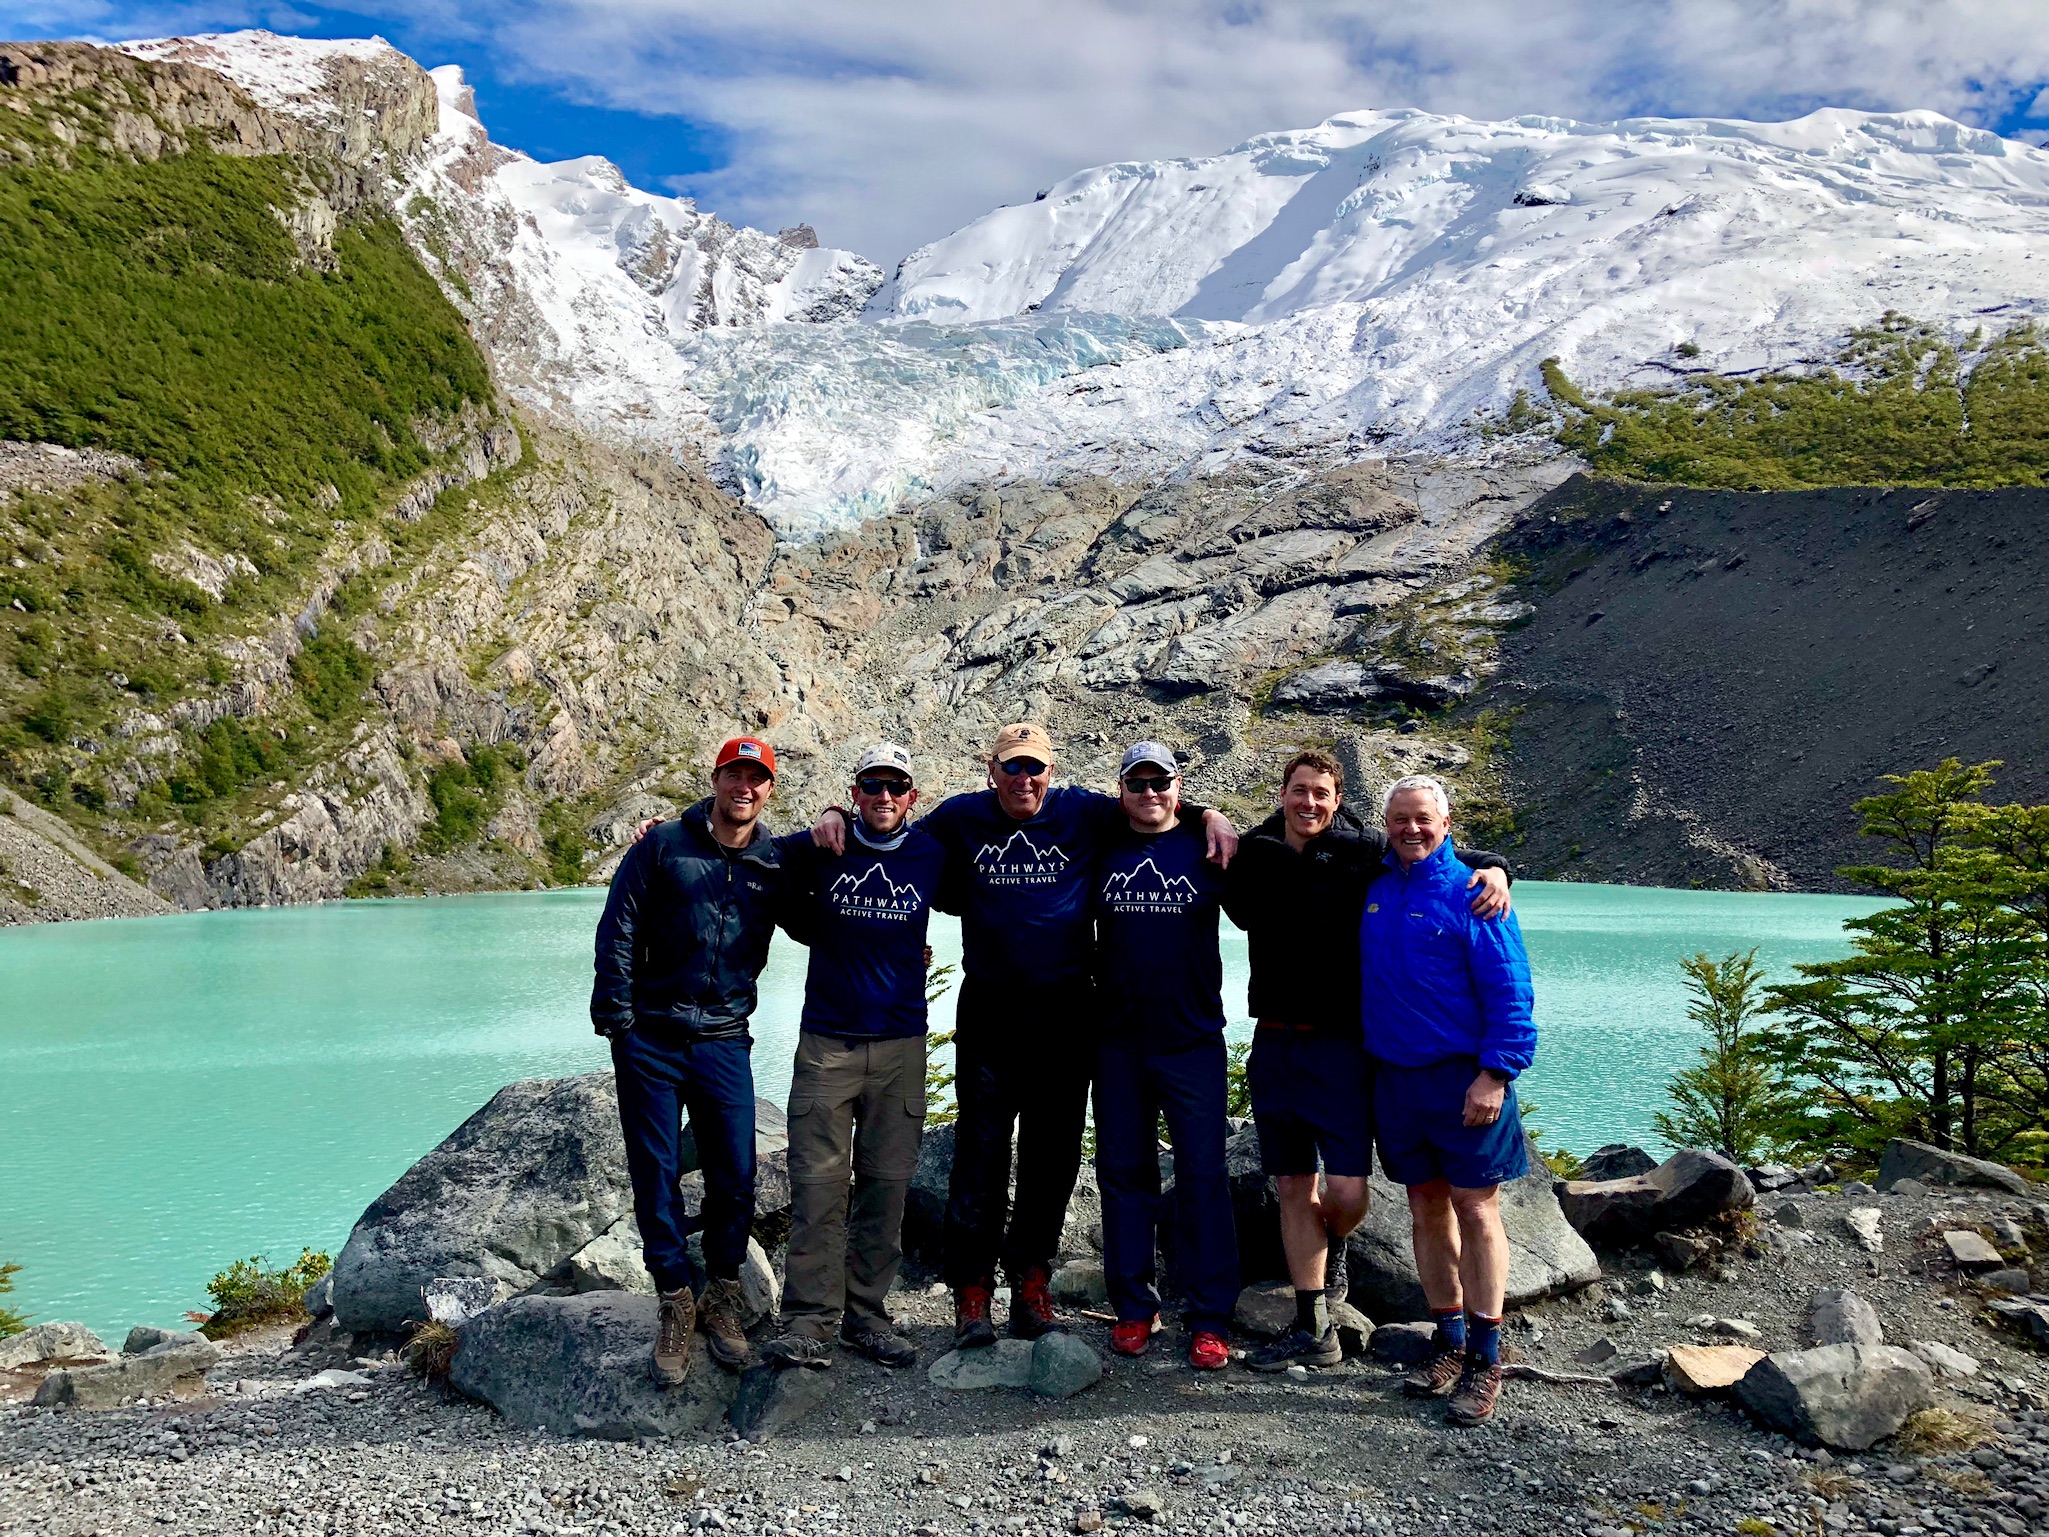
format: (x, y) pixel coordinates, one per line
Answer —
(1300, 913)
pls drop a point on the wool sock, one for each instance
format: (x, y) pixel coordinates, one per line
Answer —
(1483, 1339)
(1312, 1313)
(1451, 1327)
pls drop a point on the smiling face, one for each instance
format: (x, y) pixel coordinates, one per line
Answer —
(1151, 797)
(883, 808)
(739, 791)
(1308, 803)
(1416, 825)
(1023, 793)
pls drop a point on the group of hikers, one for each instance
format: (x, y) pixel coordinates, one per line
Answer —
(1388, 982)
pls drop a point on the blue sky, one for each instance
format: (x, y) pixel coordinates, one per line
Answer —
(886, 123)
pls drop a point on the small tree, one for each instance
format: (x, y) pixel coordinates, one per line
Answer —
(11, 1322)
(1735, 1101)
(940, 1110)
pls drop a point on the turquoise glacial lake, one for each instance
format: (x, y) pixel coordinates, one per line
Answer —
(181, 1092)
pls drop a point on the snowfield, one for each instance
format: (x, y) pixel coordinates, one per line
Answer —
(1383, 282)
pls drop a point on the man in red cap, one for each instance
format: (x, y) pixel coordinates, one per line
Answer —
(684, 937)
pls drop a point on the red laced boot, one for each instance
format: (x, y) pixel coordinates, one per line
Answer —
(1031, 1306)
(971, 1326)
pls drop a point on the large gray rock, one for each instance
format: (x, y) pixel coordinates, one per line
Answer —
(1843, 1396)
(1617, 1160)
(1062, 1366)
(52, 1342)
(1690, 1187)
(1545, 1256)
(518, 1188)
(771, 1163)
(1838, 1316)
(1907, 1159)
(770, 1400)
(146, 1337)
(151, 1374)
(1343, 685)
(583, 1366)
(1056, 1365)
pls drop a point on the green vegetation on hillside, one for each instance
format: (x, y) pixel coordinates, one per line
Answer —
(1901, 405)
(275, 409)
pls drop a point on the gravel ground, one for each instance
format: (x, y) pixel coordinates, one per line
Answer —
(1154, 1444)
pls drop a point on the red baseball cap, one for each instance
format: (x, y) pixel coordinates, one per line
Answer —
(746, 749)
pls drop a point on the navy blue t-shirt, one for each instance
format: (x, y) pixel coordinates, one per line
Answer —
(1024, 886)
(864, 914)
(1159, 976)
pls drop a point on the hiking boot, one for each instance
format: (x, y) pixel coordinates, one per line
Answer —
(798, 1350)
(971, 1326)
(676, 1321)
(879, 1342)
(1207, 1352)
(725, 1332)
(1031, 1307)
(1337, 1279)
(1472, 1401)
(1436, 1376)
(1298, 1347)
(1133, 1335)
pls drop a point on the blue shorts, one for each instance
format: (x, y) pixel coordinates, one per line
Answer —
(1311, 1096)
(1421, 1114)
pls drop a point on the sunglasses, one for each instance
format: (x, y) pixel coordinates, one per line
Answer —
(1156, 784)
(876, 785)
(1018, 766)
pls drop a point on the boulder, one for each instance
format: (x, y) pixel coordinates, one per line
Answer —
(1062, 1366)
(761, 1291)
(1767, 1177)
(584, 1366)
(1945, 1360)
(1907, 1159)
(2012, 1279)
(1971, 1250)
(1545, 1256)
(1266, 1309)
(1698, 1370)
(1403, 1344)
(518, 1188)
(769, 1401)
(1617, 1160)
(1684, 1251)
(1080, 1283)
(150, 1374)
(2024, 1314)
(456, 1299)
(1056, 1365)
(924, 1233)
(47, 1343)
(1691, 1187)
(1838, 1316)
(771, 1164)
(1847, 1397)
(1344, 685)
(147, 1337)
(610, 1262)
(1355, 1329)
(319, 1299)
(1863, 1224)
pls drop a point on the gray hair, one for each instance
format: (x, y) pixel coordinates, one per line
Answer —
(1428, 782)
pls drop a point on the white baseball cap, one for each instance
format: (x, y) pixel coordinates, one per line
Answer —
(887, 755)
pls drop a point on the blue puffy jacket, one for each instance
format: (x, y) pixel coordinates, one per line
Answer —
(1436, 981)
(686, 930)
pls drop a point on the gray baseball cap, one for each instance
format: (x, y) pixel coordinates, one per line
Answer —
(1159, 754)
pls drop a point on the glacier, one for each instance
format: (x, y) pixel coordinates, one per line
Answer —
(1381, 283)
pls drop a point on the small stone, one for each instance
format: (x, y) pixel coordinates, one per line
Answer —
(1402, 1344)
(1137, 1442)
(1089, 1520)
(1908, 1187)
(1062, 1365)
(1297, 1373)
(1696, 1370)
(1838, 1316)
(1616, 1309)
(2007, 1233)
(1858, 1187)
(1736, 1328)
(1059, 1446)
(1970, 1250)
(1266, 1310)
(1005, 1364)
(2013, 1280)
(1143, 1504)
(1602, 1349)
(1651, 1283)
(1789, 1214)
(1081, 1284)
(1862, 1224)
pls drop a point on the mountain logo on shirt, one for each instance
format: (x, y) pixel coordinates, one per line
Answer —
(1017, 861)
(872, 894)
(1146, 889)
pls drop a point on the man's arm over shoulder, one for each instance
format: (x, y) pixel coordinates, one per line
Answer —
(618, 934)
(1501, 976)
(1250, 881)
(796, 905)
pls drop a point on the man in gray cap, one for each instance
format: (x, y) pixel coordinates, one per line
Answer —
(857, 1094)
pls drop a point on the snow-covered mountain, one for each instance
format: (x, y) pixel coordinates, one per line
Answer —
(1384, 281)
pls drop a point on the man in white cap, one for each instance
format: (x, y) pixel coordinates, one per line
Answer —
(1020, 855)
(857, 1094)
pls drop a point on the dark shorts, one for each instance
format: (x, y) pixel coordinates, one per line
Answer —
(1311, 1097)
(1420, 1113)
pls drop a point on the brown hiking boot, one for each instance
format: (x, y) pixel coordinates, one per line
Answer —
(725, 1332)
(1438, 1375)
(971, 1326)
(1031, 1307)
(1472, 1401)
(675, 1322)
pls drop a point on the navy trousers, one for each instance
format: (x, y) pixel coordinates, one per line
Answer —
(1133, 1090)
(659, 1078)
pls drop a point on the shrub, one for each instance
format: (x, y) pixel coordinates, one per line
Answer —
(11, 1322)
(1736, 1100)
(247, 1294)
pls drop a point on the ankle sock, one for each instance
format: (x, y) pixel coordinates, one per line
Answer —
(1483, 1339)
(1312, 1313)
(1451, 1327)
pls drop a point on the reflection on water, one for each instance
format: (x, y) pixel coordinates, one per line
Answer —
(184, 1091)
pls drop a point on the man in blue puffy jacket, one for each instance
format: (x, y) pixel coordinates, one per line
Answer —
(1446, 1006)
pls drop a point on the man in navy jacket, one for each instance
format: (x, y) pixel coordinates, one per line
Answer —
(684, 937)
(1446, 1004)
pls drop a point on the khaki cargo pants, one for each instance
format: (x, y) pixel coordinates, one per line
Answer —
(857, 1112)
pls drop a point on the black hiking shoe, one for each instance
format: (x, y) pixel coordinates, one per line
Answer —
(880, 1343)
(1298, 1347)
(1337, 1279)
(798, 1350)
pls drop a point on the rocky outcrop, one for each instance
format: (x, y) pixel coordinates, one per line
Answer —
(47, 1344)
(1907, 1159)
(167, 1367)
(516, 1190)
(584, 1366)
(1692, 1186)
(47, 874)
(1843, 1396)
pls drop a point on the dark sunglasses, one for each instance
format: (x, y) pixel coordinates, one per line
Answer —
(1018, 766)
(1158, 784)
(874, 784)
